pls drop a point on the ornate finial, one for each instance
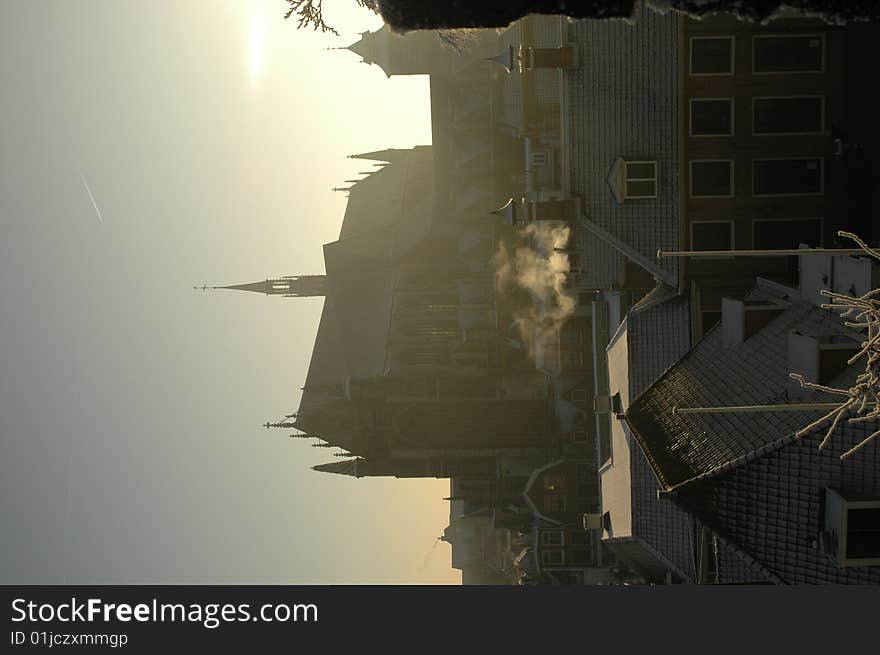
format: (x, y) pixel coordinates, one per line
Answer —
(279, 424)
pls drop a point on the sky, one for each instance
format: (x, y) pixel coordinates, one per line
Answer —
(146, 148)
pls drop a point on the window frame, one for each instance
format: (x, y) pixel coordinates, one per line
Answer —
(728, 37)
(627, 179)
(545, 542)
(731, 102)
(729, 221)
(788, 219)
(575, 394)
(711, 161)
(836, 520)
(556, 552)
(821, 191)
(820, 36)
(822, 119)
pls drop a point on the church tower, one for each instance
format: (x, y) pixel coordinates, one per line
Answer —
(415, 53)
(292, 286)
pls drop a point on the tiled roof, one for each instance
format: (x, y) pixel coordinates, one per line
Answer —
(772, 507)
(512, 98)
(658, 334)
(744, 475)
(664, 526)
(682, 447)
(623, 102)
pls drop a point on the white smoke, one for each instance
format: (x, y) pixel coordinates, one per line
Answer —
(542, 269)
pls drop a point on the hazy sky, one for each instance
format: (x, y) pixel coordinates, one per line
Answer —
(210, 134)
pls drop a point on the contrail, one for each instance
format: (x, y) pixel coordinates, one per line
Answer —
(94, 204)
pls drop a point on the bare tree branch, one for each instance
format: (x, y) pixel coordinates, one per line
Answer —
(863, 397)
(310, 13)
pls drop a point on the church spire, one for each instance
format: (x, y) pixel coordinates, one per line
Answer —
(292, 286)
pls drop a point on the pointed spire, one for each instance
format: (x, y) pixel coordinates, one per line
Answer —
(289, 286)
(346, 467)
(388, 155)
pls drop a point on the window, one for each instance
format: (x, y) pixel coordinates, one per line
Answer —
(641, 179)
(539, 158)
(578, 395)
(712, 178)
(553, 482)
(712, 235)
(580, 557)
(712, 55)
(852, 528)
(582, 538)
(573, 358)
(711, 117)
(863, 532)
(584, 472)
(580, 436)
(788, 53)
(786, 233)
(791, 176)
(552, 538)
(788, 115)
(552, 557)
(554, 504)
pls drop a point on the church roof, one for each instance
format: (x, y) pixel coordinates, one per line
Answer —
(361, 274)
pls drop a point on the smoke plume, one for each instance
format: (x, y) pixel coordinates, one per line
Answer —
(541, 268)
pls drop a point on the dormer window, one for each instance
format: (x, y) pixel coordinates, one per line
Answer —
(743, 319)
(633, 179)
(641, 179)
(818, 359)
(852, 529)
